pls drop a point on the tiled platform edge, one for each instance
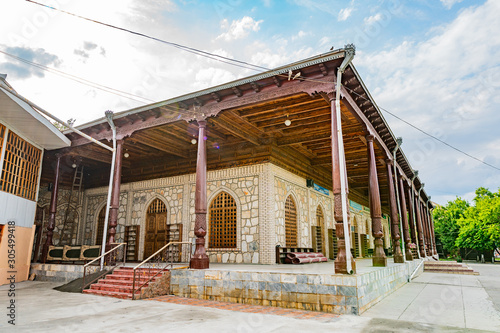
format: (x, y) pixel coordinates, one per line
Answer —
(318, 292)
(57, 272)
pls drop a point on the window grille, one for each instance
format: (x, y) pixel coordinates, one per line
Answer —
(222, 222)
(290, 223)
(157, 206)
(20, 167)
(100, 226)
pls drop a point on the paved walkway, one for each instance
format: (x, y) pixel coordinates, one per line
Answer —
(433, 302)
(466, 301)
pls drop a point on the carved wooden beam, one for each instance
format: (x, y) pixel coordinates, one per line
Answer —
(237, 91)
(323, 69)
(216, 97)
(255, 87)
(277, 81)
(236, 131)
(153, 143)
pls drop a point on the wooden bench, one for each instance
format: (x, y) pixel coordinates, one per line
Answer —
(281, 252)
(73, 253)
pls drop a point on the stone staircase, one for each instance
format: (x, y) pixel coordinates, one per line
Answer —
(450, 267)
(119, 283)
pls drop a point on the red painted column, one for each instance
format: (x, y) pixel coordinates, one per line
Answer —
(418, 211)
(379, 258)
(398, 255)
(404, 219)
(428, 231)
(115, 195)
(424, 225)
(434, 248)
(52, 211)
(340, 261)
(412, 222)
(199, 260)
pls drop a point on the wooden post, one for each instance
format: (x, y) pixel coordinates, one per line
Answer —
(379, 258)
(52, 211)
(434, 248)
(397, 254)
(115, 195)
(427, 231)
(418, 210)
(404, 219)
(340, 261)
(411, 209)
(199, 260)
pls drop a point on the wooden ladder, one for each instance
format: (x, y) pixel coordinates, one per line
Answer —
(69, 224)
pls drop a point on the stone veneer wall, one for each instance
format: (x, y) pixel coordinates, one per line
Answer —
(62, 204)
(259, 190)
(178, 193)
(306, 202)
(342, 294)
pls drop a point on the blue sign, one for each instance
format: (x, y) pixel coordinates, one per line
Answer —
(321, 189)
(355, 205)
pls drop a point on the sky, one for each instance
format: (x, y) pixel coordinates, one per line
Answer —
(433, 63)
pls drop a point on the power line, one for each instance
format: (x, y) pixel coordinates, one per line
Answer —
(428, 134)
(247, 65)
(79, 79)
(209, 55)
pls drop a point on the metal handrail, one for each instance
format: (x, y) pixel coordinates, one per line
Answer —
(160, 271)
(85, 285)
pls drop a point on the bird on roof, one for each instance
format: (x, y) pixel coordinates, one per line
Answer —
(331, 48)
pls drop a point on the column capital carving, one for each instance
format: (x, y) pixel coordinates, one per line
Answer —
(370, 137)
(389, 161)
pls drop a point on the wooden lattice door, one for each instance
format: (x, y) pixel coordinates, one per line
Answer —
(156, 222)
(290, 223)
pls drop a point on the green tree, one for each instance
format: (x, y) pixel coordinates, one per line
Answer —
(446, 225)
(480, 223)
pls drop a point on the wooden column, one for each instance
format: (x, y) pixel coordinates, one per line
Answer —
(427, 231)
(379, 258)
(52, 211)
(115, 195)
(199, 260)
(420, 230)
(412, 221)
(397, 254)
(340, 261)
(404, 219)
(434, 247)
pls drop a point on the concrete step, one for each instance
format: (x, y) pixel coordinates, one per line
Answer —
(115, 294)
(450, 271)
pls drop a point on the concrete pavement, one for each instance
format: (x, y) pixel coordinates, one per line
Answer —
(453, 305)
(465, 301)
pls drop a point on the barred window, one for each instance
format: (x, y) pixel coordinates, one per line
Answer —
(100, 226)
(222, 222)
(20, 167)
(290, 223)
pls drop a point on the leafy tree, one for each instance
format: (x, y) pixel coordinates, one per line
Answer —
(446, 225)
(480, 223)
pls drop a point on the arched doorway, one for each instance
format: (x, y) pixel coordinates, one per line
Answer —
(290, 223)
(318, 237)
(156, 225)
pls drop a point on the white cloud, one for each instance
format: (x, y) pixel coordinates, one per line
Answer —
(299, 35)
(238, 28)
(344, 14)
(447, 85)
(449, 3)
(373, 19)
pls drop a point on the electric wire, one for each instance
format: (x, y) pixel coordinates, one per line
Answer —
(78, 79)
(250, 66)
(426, 133)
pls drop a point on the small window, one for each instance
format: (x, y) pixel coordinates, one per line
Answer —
(20, 167)
(290, 223)
(100, 226)
(222, 223)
